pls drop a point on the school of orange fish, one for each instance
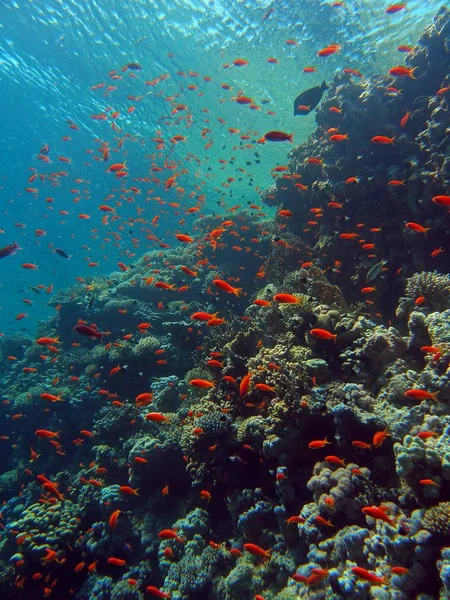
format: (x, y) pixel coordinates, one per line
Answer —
(166, 174)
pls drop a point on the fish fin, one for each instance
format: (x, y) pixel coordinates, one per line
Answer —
(324, 86)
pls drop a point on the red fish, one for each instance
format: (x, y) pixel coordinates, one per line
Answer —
(395, 8)
(402, 71)
(278, 136)
(417, 227)
(154, 591)
(287, 299)
(417, 394)
(428, 482)
(379, 437)
(316, 444)
(88, 331)
(382, 139)
(156, 417)
(368, 576)
(203, 316)
(226, 287)
(323, 334)
(45, 433)
(117, 562)
(202, 383)
(170, 534)
(113, 518)
(329, 50)
(244, 385)
(439, 200)
(126, 489)
(377, 512)
(8, 250)
(186, 239)
(258, 551)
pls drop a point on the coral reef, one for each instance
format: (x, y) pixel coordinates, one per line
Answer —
(278, 432)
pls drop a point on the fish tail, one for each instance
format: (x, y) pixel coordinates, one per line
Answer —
(237, 292)
(335, 338)
(411, 73)
(434, 396)
(291, 138)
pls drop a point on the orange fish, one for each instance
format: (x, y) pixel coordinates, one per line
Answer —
(442, 201)
(51, 398)
(417, 227)
(329, 50)
(323, 334)
(113, 518)
(316, 444)
(362, 445)
(321, 521)
(382, 139)
(417, 394)
(379, 437)
(404, 119)
(428, 482)
(186, 239)
(258, 551)
(156, 417)
(403, 71)
(244, 385)
(45, 433)
(202, 383)
(335, 460)
(287, 299)
(117, 562)
(368, 576)
(261, 302)
(126, 489)
(377, 513)
(226, 287)
(263, 387)
(170, 534)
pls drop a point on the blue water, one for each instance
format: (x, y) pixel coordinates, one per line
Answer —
(53, 53)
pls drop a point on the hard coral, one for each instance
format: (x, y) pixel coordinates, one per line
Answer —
(437, 519)
(434, 286)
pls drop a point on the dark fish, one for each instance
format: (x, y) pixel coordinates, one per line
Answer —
(61, 252)
(375, 270)
(310, 99)
(35, 289)
(8, 250)
(268, 12)
(88, 331)
(134, 66)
